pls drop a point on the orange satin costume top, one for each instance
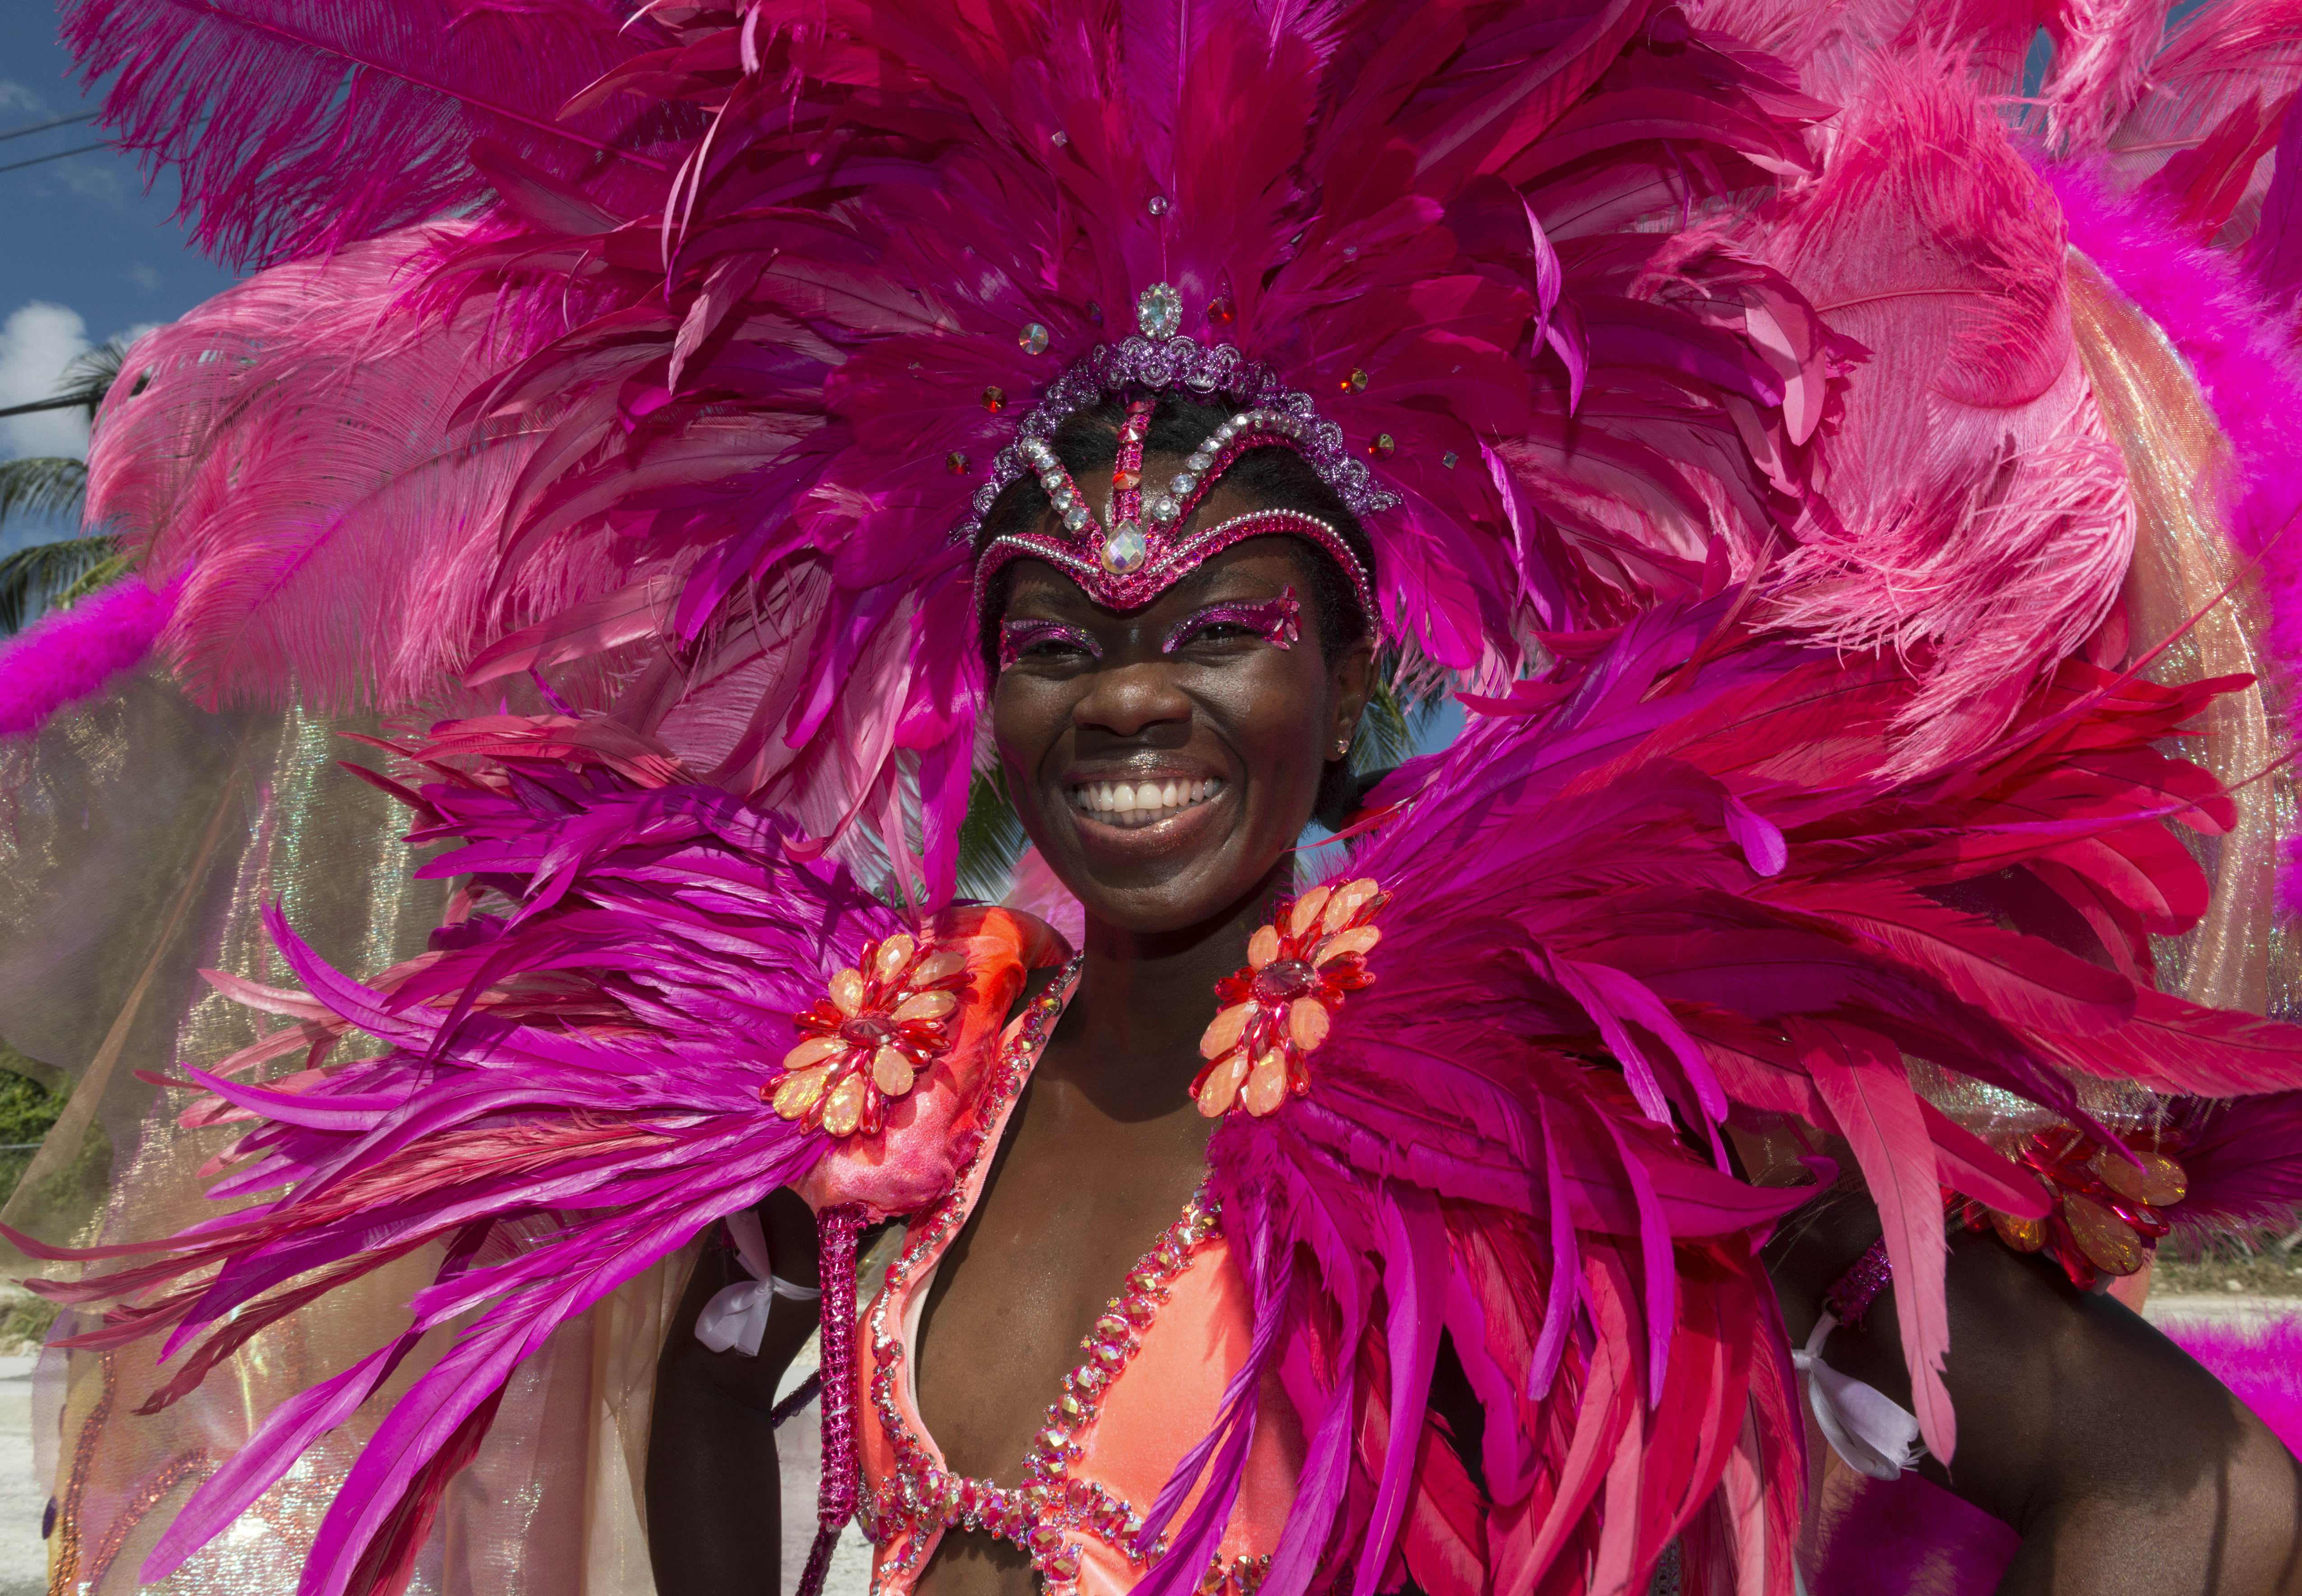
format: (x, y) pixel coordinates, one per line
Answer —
(1149, 1384)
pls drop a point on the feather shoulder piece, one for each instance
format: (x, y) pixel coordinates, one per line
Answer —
(644, 1016)
(1663, 892)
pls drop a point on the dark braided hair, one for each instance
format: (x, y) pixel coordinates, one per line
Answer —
(1278, 477)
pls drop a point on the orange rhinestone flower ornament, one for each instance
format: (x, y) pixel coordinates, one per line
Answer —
(1277, 1009)
(863, 1046)
(2108, 1208)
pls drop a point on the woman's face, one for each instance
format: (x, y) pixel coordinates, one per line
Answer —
(1219, 735)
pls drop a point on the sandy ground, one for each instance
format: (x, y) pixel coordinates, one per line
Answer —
(23, 1556)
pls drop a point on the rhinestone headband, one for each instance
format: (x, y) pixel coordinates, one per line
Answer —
(1133, 553)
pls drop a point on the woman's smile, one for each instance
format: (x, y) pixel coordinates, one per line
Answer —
(1136, 815)
(1136, 802)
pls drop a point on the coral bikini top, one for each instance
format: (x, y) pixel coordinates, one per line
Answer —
(1148, 1385)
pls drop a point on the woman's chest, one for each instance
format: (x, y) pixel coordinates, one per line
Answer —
(1009, 1320)
(971, 1511)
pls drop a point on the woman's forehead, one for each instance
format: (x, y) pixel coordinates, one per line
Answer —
(1244, 567)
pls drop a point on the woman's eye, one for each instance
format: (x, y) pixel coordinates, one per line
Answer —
(1219, 631)
(1045, 644)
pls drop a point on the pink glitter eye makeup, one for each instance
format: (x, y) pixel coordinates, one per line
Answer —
(1018, 638)
(1279, 622)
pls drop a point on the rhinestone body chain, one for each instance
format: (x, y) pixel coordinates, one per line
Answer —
(1047, 1514)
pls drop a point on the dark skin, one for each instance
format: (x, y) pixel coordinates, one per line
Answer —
(2125, 1467)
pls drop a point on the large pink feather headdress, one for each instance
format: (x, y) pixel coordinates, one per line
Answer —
(690, 410)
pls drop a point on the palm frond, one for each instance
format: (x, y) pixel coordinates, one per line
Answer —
(31, 579)
(1409, 692)
(42, 485)
(87, 378)
(102, 574)
(990, 839)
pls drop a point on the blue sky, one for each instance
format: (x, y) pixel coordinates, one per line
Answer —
(90, 253)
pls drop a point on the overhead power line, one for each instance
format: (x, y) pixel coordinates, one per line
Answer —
(53, 122)
(60, 155)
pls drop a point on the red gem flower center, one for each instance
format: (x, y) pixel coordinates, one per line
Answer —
(1284, 981)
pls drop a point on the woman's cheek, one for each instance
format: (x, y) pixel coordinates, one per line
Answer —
(1277, 723)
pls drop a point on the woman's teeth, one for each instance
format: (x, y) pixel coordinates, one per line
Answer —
(1142, 802)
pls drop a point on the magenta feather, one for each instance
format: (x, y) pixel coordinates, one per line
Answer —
(2260, 1363)
(2240, 351)
(2243, 1157)
(299, 128)
(73, 653)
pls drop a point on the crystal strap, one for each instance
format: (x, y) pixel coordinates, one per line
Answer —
(835, 1499)
(1851, 1296)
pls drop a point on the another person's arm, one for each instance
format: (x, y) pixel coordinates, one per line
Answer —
(713, 1496)
(2124, 1465)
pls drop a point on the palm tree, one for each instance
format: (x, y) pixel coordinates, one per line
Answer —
(33, 579)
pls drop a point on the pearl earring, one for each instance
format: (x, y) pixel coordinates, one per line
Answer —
(1342, 746)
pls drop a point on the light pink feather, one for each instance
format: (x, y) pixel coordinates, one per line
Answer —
(1862, 1078)
(1985, 522)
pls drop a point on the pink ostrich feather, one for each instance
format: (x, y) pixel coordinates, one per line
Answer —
(71, 655)
(1984, 521)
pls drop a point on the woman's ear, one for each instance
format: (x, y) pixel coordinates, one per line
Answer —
(1353, 683)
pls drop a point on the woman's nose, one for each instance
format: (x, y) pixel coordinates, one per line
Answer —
(1129, 699)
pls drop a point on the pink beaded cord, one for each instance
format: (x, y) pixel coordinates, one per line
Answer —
(835, 1501)
(1856, 1290)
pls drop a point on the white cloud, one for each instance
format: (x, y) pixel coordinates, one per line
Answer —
(16, 97)
(95, 176)
(37, 343)
(146, 278)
